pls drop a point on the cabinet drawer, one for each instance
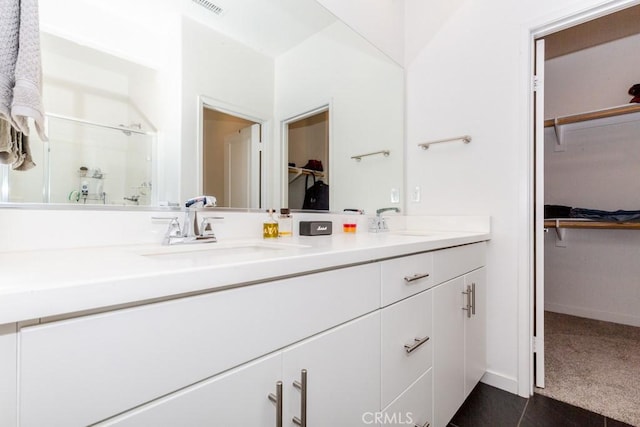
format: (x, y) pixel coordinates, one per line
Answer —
(403, 324)
(83, 370)
(406, 276)
(414, 406)
(235, 398)
(454, 262)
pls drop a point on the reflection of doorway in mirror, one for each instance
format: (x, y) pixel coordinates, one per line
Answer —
(307, 154)
(231, 159)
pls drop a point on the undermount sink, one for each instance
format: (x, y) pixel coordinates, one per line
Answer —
(212, 251)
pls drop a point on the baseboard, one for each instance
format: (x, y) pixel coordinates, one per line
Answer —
(624, 319)
(500, 381)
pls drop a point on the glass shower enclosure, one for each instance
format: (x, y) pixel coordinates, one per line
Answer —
(85, 163)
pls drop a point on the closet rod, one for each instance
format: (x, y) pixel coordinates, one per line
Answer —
(465, 138)
(383, 152)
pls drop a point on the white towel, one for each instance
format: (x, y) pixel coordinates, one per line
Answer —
(20, 81)
(8, 148)
(9, 29)
(27, 93)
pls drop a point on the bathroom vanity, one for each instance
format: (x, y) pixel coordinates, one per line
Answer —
(336, 330)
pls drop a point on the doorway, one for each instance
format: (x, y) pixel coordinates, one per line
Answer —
(306, 147)
(581, 147)
(231, 159)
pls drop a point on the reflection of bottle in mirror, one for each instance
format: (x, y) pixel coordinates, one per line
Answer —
(270, 226)
(285, 223)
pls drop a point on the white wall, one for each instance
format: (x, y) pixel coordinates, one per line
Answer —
(472, 76)
(346, 71)
(379, 21)
(591, 79)
(595, 275)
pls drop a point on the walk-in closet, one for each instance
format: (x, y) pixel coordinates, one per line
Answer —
(592, 259)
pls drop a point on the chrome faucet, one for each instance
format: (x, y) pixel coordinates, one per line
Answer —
(192, 231)
(378, 223)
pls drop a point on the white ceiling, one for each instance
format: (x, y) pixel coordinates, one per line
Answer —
(269, 26)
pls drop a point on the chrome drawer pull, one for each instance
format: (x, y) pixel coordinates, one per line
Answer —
(473, 298)
(468, 308)
(277, 399)
(410, 348)
(415, 277)
(302, 386)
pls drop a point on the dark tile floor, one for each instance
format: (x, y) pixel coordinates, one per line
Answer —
(492, 407)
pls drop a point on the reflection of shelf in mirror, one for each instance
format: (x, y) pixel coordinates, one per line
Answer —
(298, 172)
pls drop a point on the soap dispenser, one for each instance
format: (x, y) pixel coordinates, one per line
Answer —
(270, 226)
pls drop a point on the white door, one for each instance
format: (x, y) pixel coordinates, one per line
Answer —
(343, 375)
(448, 350)
(538, 337)
(242, 168)
(475, 332)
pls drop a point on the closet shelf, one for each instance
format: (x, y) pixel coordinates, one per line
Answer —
(603, 225)
(298, 172)
(593, 115)
(607, 116)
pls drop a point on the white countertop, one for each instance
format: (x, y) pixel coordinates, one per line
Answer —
(48, 282)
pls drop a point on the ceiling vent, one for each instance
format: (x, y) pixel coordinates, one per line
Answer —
(212, 7)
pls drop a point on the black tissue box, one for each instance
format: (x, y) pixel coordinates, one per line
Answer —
(316, 228)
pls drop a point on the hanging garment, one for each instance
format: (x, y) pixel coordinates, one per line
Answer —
(316, 197)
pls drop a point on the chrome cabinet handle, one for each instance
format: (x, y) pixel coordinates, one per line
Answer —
(415, 277)
(302, 386)
(277, 399)
(468, 307)
(473, 298)
(410, 348)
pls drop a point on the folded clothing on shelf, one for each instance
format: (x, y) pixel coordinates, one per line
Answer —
(560, 211)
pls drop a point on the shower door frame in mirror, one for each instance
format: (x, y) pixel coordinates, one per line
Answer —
(260, 162)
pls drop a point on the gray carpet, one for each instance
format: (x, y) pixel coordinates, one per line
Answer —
(594, 365)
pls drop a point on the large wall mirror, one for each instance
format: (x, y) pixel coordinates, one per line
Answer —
(134, 91)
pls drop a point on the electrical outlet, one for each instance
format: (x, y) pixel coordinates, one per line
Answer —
(395, 195)
(415, 194)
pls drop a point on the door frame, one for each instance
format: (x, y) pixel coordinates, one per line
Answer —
(284, 153)
(223, 107)
(526, 369)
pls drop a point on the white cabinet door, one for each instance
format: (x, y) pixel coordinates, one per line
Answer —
(236, 398)
(449, 352)
(8, 375)
(476, 331)
(343, 375)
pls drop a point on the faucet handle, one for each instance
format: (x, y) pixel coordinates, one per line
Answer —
(173, 231)
(206, 226)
